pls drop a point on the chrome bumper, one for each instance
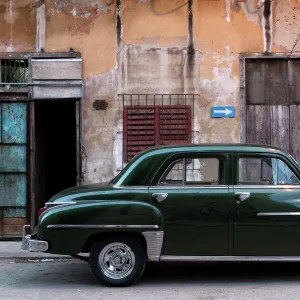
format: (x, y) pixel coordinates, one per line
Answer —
(30, 244)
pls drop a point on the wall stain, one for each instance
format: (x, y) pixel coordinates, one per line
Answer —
(190, 28)
(267, 26)
(119, 23)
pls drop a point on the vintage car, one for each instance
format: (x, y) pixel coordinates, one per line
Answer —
(226, 202)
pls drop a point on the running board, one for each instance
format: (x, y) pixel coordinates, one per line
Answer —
(229, 258)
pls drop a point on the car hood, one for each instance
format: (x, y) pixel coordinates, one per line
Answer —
(82, 192)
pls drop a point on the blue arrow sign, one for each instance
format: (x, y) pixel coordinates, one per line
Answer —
(223, 112)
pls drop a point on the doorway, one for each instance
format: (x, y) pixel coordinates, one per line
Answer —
(55, 156)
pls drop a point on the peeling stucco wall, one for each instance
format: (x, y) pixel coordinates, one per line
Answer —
(99, 127)
(142, 46)
(94, 36)
(287, 24)
(150, 23)
(90, 28)
(158, 70)
(18, 25)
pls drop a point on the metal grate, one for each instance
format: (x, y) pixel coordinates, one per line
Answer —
(14, 70)
(152, 120)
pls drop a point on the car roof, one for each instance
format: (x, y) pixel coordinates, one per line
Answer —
(153, 157)
(215, 147)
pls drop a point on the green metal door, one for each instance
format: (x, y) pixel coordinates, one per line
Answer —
(266, 206)
(13, 168)
(193, 194)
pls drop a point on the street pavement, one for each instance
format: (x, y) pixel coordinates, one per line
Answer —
(58, 279)
(9, 249)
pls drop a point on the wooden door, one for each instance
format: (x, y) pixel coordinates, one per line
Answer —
(13, 168)
(273, 103)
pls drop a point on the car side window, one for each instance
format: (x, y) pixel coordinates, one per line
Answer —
(265, 171)
(193, 171)
(285, 175)
(174, 173)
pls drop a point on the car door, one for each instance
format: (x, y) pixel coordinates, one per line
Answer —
(266, 206)
(192, 192)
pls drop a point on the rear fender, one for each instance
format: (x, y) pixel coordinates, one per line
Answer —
(67, 228)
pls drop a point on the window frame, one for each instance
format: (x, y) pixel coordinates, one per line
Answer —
(264, 155)
(169, 163)
(168, 169)
(286, 166)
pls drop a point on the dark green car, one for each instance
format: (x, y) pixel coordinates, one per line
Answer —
(179, 203)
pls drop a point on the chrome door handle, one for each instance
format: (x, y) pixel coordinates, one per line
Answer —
(160, 196)
(242, 196)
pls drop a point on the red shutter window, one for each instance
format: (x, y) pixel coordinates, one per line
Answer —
(146, 126)
(175, 125)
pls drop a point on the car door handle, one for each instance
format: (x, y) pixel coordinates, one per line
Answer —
(242, 196)
(160, 196)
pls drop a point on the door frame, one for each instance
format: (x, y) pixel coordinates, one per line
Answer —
(23, 92)
(32, 209)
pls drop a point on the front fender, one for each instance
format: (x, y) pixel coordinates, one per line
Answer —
(67, 228)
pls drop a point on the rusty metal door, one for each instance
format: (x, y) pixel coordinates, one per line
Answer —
(273, 103)
(13, 167)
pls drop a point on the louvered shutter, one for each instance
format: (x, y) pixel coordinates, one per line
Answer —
(146, 126)
(174, 125)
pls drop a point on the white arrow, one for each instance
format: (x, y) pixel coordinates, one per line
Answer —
(226, 111)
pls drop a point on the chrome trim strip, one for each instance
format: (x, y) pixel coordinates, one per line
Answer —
(61, 203)
(79, 226)
(236, 186)
(55, 205)
(161, 187)
(129, 187)
(154, 241)
(229, 258)
(278, 214)
(283, 186)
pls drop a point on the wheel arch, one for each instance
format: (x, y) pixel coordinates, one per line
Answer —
(151, 241)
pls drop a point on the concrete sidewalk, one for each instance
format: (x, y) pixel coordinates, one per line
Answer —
(12, 250)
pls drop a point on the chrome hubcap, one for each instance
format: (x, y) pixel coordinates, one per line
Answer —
(116, 260)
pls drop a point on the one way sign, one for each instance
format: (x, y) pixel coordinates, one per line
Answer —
(223, 112)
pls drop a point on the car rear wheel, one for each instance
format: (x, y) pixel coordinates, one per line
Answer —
(118, 261)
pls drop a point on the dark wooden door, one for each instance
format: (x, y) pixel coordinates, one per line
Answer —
(273, 103)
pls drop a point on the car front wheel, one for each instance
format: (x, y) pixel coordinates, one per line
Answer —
(118, 261)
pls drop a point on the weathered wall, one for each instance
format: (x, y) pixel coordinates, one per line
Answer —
(146, 48)
(222, 32)
(85, 28)
(287, 24)
(18, 25)
(90, 28)
(147, 24)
